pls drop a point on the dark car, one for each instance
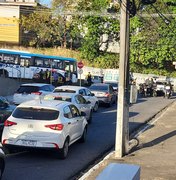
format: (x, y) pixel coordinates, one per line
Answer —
(5, 111)
(104, 92)
(2, 162)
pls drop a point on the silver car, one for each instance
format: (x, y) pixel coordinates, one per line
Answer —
(78, 100)
(105, 93)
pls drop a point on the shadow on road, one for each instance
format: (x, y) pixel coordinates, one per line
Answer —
(132, 114)
(156, 141)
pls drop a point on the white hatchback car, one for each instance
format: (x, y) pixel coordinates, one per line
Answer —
(31, 91)
(78, 100)
(85, 92)
(45, 124)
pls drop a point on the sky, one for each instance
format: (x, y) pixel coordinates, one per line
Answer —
(45, 2)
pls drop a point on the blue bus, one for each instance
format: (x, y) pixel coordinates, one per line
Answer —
(26, 65)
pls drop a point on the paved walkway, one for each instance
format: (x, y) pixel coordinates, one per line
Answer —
(155, 154)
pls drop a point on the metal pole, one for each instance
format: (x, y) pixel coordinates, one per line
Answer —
(80, 80)
(122, 108)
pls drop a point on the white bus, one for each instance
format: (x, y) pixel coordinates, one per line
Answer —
(25, 65)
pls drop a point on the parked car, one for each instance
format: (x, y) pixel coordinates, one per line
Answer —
(53, 125)
(85, 92)
(113, 84)
(31, 91)
(2, 162)
(5, 111)
(78, 100)
(104, 92)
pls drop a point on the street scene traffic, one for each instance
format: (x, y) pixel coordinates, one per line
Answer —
(87, 89)
(27, 134)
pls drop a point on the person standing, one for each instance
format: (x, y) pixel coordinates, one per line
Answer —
(55, 78)
(89, 79)
(47, 76)
(41, 74)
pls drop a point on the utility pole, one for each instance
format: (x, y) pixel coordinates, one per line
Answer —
(122, 127)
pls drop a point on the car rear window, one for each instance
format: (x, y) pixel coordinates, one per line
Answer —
(28, 89)
(63, 98)
(98, 88)
(35, 113)
(64, 90)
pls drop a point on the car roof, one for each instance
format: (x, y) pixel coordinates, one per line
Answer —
(100, 84)
(35, 84)
(70, 87)
(51, 104)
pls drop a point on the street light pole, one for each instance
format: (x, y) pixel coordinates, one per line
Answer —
(122, 132)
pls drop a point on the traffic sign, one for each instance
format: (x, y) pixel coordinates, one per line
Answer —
(80, 64)
(80, 71)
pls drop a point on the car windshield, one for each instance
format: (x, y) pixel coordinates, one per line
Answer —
(160, 83)
(35, 113)
(98, 88)
(64, 90)
(28, 89)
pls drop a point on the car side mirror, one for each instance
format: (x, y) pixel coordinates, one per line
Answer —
(6, 104)
(83, 113)
(88, 102)
(92, 94)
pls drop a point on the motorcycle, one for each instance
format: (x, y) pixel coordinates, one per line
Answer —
(168, 91)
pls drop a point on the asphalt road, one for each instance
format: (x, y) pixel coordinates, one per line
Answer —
(100, 138)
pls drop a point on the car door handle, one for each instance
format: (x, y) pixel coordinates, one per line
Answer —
(69, 122)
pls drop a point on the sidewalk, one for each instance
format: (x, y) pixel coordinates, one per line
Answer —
(155, 154)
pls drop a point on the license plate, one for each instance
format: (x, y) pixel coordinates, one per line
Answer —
(28, 142)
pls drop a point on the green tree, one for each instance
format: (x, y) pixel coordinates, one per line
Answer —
(93, 27)
(153, 41)
(43, 28)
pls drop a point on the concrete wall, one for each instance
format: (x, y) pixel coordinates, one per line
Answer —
(8, 86)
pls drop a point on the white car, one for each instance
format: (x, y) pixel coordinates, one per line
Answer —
(31, 91)
(85, 92)
(44, 124)
(78, 100)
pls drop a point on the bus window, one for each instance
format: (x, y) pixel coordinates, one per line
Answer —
(38, 62)
(24, 62)
(57, 64)
(47, 63)
(67, 66)
(9, 59)
(1, 60)
(73, 67)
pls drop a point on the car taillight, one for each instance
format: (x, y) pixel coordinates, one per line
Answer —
(4, 141)
(57, 127)
(107, 94)
(37, 93)
(9, 123)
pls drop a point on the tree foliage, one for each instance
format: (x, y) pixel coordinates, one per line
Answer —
(152, 39)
